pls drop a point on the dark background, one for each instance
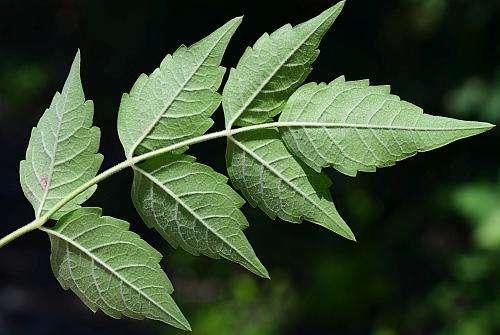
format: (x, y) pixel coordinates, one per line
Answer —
(427, 258)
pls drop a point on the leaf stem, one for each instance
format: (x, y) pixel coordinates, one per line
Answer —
(39, 222)
(19, 232)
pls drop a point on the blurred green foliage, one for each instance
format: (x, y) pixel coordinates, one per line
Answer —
(468, 300)
(476, 98)
(244, 308)
(21, 80)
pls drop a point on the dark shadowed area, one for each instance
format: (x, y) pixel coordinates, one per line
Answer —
(428, 229)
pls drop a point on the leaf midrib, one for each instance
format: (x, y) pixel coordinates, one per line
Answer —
(307, 124)
(288, 182)
(50, 173)
(179, 91)
(193, 213)
(108, 268)
(273, 73)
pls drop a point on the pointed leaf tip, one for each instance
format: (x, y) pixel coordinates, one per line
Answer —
(263, 80)
(184, 325)
(238, 19)
(352, 237)
(76, 61)
(261, 167)
(155, 112)
(194, 208)
(233, 24)
(131, 283)
(340, 227)
(489, 126)
(382, 129)
(480, 127)
(337, 8)
(262, 272)
(64, 136)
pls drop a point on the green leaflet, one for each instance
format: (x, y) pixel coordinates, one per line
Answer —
(268, 73)
(192, 206)
(176, 101)
(269, 176)
(111, 268)
(62, 151)
(356, 127)
(277, 165)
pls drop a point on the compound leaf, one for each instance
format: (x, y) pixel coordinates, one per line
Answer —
(176, 101)
(192, 206)
(269, 72)
(271, 178)
(356, 127)
(111, 268)
(62, 151)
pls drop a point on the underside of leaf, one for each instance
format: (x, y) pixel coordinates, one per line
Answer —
(62, 152)
(193, 207)
(176, 101)
(111, 268)
(356, 127)
(272, 179)
(350, 126)
(269, 72)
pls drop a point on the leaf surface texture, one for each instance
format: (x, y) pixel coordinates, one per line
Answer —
(62, 151)
(272, 179)
(176, 101)
(269, 72)
(192, 206)
(356, 127)
(111, 268)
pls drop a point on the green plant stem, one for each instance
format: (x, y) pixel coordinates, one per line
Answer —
(39, 222)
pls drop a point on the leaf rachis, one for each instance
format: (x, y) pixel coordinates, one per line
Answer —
(286, 134)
